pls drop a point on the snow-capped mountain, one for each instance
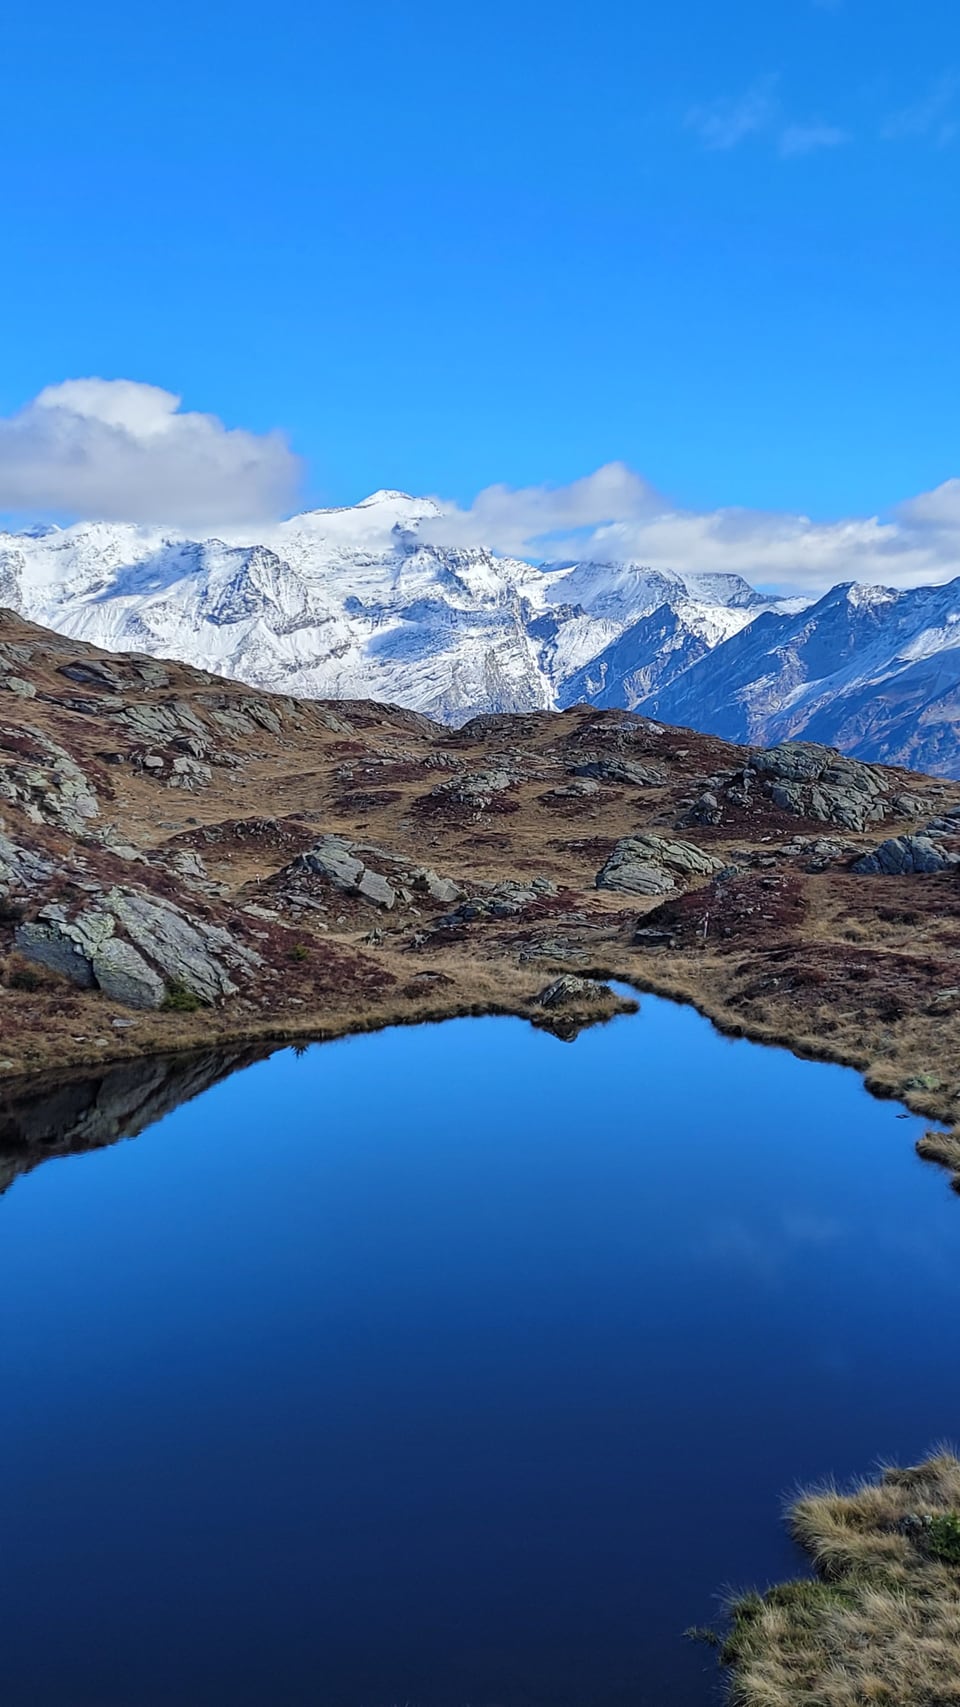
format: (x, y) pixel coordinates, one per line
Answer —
(871, 670)
(357, 603)
(354, 603)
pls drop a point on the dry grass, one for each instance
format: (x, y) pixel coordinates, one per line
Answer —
(879, 1626)
(942, 1147)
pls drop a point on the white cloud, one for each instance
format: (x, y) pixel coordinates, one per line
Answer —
(724, 123)
(934, 116)
(511, 520)
(614, 515)
(807, 138)
(117, 450)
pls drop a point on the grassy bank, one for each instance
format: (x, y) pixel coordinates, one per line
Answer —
(879, 1624)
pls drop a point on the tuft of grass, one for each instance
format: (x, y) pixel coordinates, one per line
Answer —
(879, 1623)
(25, 978)
(180, 1000)
(299, 952)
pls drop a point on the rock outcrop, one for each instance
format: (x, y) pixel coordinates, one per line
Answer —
(569, 988)
(807, 781)
(618, 770)
(900, 856)
(354, 869)
(135, 949)
(651, 865)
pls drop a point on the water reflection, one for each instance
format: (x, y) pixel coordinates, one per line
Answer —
(48, 1117)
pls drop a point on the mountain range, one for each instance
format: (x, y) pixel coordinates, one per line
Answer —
(361, 602)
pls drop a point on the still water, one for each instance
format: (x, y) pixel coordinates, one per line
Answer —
(453, 1367)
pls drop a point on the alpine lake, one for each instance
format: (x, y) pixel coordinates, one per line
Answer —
(449, 1366)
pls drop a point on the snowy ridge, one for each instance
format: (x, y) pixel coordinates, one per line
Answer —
(351, 602)
(871, 670)
(354, 602)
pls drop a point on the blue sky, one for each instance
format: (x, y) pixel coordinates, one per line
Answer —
(441, 246)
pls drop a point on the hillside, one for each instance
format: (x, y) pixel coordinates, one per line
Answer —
(184, 862)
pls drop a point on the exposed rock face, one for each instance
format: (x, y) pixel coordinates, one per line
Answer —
(187, 951)
(123, 975)
(618, 770)
(579, 787)
(500, 901)
(901, 855)
(163, 946)
(816, 782)
(331, 858)
(650, 865)
(21, 867)
(37, 774)
(343, 863)
(53, 946)
(805, 780)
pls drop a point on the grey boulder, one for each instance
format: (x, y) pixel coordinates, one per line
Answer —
(903, 855)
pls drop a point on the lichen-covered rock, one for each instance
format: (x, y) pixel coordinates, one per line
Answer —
(424, 880)
(87, 949)
(650, 865)
(23, 689)
(21, 868)
(902, 855)
(568, 988)
(811, 781)
(332, 857)
(40, 777)
(187, 951)
(123, 975)
(706, 809)
(578, 786)
(162, 725)
(373, 886)
(504, 900)
(189, 773)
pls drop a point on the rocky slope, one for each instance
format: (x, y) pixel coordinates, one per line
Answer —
(186, 863)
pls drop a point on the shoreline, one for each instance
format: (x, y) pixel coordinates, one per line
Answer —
(206, 1030)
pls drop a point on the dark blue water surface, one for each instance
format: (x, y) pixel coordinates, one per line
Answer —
(453, 1366)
